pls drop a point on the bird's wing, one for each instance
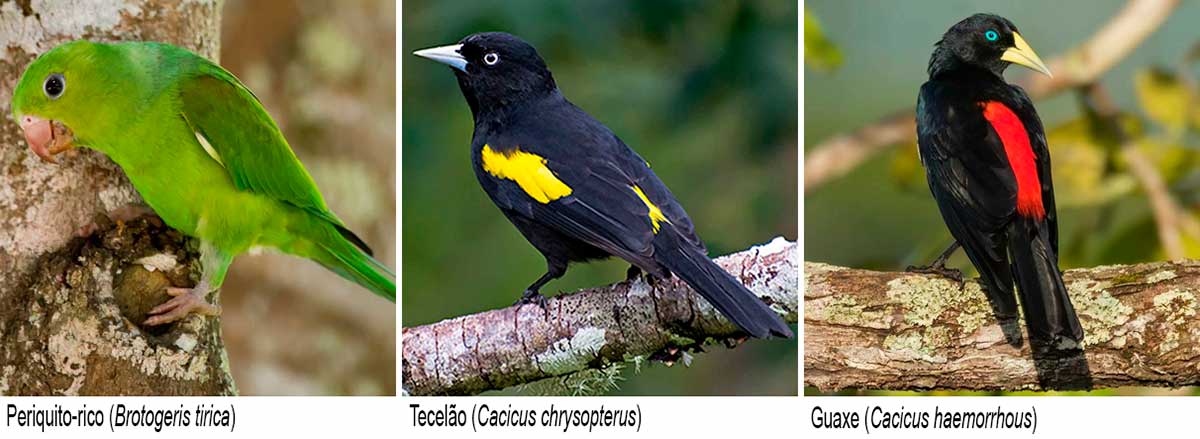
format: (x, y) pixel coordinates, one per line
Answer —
(1023, 107)
(639, 170)
(230, 122)
(233, 127)
(969, 176)
(610, 197)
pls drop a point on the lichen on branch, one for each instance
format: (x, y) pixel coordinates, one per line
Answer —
(900, 331)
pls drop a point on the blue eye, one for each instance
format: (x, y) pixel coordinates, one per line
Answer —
(991, 35)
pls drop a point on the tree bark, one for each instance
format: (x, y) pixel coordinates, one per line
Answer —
(626, 321)
(74, 286)
(899, 331)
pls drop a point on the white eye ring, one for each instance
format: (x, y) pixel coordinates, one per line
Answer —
(491, 58)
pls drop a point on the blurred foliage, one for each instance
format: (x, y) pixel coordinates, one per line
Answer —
(819, 52)
(325, 71)
(705, 91)
(881, 216)
(1168, 98)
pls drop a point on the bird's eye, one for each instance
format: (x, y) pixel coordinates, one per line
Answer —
(991, 35)
(54, 85)
(491, 58)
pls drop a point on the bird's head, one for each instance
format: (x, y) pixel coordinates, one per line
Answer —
(50, 100)
(986, 41)
(494, 70)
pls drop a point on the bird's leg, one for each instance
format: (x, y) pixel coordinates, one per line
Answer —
(938, 266)
(531, 295)
(633, 272)
(185, 301)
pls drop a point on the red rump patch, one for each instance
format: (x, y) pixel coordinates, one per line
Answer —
(1020, 157)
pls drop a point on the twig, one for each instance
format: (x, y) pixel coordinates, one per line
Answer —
(1084, 64)
(625, 321)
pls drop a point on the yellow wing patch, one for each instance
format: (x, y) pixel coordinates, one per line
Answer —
(655, 214)
(528, 170)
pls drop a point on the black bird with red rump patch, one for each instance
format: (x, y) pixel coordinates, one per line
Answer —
(572, 187)
(985, 156)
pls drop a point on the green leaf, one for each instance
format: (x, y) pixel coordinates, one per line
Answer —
(819, 52)
(1164, 98)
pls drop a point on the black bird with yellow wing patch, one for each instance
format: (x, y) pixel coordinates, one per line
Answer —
(574, 189)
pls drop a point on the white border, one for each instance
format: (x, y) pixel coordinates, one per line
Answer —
(661, 416)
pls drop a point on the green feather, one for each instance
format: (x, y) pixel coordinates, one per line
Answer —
(201, 150)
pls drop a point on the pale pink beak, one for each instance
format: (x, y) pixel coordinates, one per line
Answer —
(46, 137)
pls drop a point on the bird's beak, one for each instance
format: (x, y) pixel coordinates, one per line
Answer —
(1024, 55)
(448, 55)
(46, 137)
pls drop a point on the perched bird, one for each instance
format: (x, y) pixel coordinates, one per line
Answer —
(572, 188)
(200, 149)
(988, 166)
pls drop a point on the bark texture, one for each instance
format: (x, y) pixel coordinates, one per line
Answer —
(69, 303)
(627, 321)
(881, 330)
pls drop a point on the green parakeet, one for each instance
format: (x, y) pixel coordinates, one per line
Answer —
(200, 149)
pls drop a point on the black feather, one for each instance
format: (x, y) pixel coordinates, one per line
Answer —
(974, 184)
(517, 107)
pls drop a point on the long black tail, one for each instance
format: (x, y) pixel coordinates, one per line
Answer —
(724, 292)
(1048, 311)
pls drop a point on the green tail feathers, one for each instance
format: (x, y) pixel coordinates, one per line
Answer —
(355, 265)
(341, 252)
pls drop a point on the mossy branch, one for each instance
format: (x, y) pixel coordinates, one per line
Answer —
(69, 305)
(626, 321)
(900, 331)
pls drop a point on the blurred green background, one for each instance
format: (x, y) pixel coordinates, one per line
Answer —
(866, 60)
(704, 90)
(325, 71)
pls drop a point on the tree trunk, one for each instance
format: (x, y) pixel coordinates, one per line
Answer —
(74, 286)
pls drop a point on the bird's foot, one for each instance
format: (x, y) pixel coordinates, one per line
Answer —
(185, 301)
(953, 274)
(534, 297)
(633, 273)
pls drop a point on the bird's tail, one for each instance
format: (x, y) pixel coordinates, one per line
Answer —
(339, 250)
(1048, 311)
(724, 292)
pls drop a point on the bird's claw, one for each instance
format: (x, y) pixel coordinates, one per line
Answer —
(185, 301)
(533, 297)
(633, 273)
